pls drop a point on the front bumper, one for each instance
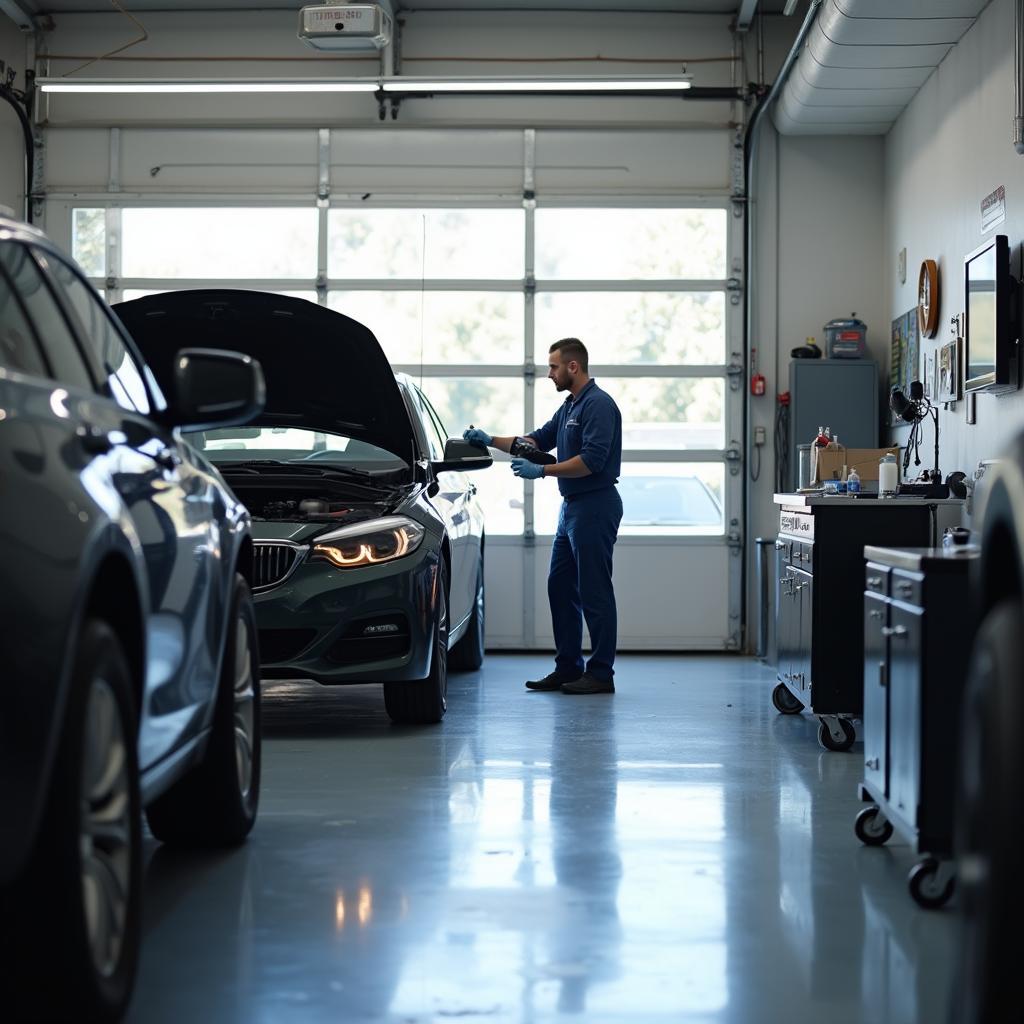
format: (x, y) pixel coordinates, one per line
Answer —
(337, 626)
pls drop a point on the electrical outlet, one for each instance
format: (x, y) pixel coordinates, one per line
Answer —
(901, 265)
(760, 436)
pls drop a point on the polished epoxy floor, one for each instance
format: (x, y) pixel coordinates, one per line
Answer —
(676, 852)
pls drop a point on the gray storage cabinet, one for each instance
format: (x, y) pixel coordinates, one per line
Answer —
(839, 393)
(918, 631)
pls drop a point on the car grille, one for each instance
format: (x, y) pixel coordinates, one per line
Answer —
(272, 563)
(283, 644)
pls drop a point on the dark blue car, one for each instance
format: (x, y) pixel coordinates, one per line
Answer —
(127, 633)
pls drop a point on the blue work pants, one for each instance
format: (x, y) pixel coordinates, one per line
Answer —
(580, 582)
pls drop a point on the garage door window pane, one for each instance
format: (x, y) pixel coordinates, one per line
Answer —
(219, 244)
(631, 244)
(89, 240)
(141, 293)
(635, 327)
(453, 327)
(454, 244)
(497, 406)
(668, 415)
(676, 499)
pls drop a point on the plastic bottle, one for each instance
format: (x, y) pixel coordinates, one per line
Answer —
(853, 482)
(888, 475)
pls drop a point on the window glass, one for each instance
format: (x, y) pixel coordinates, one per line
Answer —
(630, 244)
(51, 327)
(455, 244)
(664, 413)
(635, 327)
(18, 348)
(123, 376)
(496, 405)
(89, 240)
(442, 327)
(140, 293)
(219, 243)
(291, 444)
(658, 498)
(430, 428)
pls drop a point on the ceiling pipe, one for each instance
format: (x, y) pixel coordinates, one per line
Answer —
(1018, 109)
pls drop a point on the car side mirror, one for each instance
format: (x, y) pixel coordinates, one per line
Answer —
(461, 456)
(215, 388)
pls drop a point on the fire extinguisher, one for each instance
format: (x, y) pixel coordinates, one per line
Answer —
(758, 385)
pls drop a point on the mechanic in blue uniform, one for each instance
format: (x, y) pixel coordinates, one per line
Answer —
(587, 431)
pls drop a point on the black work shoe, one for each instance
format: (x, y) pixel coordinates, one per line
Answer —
(552, 681)
(588, 684)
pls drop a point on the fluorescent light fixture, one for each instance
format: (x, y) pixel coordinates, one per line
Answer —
(535, 85)
(205, 86)
(466, 86)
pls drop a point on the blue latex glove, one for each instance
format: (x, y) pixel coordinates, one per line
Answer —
(477, 436)
(527, 470)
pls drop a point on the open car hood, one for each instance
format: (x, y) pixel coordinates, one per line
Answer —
(324, 371)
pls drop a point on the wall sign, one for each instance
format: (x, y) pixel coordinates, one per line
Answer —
(993, 209)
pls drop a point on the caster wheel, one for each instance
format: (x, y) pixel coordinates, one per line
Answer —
(785, 703)
(829, 742)
(871, 828)
(924, 885)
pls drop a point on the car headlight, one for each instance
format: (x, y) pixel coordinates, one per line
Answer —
(380, 540)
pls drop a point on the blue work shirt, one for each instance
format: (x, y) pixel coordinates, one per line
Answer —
(589, 425)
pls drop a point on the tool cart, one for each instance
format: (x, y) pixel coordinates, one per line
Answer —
(918, 633)
(819, 596)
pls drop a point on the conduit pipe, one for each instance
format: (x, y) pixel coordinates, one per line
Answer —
(1018, 107)
(749, 167)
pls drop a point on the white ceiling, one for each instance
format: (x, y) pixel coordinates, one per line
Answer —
(627, 6)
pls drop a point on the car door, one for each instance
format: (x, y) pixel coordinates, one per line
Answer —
(451, 502)
(171, 505)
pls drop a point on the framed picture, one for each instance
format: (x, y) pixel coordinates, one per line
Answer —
(904, 361)
(928, 373)
(948, 372)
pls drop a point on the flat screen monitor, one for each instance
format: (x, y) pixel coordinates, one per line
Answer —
(990, 342)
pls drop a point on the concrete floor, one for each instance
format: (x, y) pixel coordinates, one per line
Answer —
(676, 852)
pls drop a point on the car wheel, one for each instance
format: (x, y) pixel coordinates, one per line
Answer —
(468, 653)
(215, 803)
(989, 786)
(424, 702)
(76, 915)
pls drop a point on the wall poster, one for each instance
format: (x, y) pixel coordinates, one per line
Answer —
(903, 355)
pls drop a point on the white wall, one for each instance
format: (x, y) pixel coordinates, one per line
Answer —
(12, 175)
(819, 255)
(949, 149)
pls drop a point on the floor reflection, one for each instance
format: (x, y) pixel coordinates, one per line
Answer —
(678, 853)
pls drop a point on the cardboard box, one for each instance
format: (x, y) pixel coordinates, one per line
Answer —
(832, 459)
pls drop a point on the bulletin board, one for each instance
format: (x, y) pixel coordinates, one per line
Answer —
(904, 355)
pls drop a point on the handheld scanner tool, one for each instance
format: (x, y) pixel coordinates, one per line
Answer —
(521, 449)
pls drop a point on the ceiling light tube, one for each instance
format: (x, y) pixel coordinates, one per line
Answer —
(204, 86)
(469, 86)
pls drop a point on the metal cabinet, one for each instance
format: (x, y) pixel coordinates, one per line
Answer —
(819, 598)
(917, 636)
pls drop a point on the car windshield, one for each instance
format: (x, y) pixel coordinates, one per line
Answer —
(668, 501)
(230, 445)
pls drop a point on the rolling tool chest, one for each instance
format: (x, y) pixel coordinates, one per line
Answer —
(819, 600)
(918, 632)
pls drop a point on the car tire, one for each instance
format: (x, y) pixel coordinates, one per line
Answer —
(215, 804)
(424, 701)
(468, 654)
(989, 786)
(76, 916)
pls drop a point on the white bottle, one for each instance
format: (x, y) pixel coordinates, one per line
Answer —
(888, 475)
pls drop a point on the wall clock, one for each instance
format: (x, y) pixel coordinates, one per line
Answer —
(928, 299)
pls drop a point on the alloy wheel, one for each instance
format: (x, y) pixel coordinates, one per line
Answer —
(105, 830)
(244, 711)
